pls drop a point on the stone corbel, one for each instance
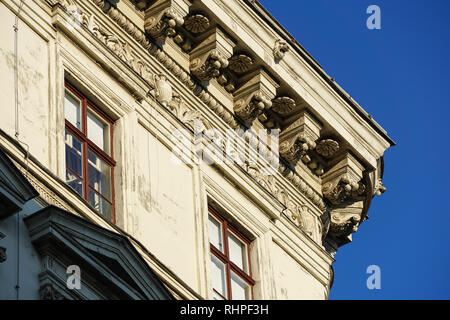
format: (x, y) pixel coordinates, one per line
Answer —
(254, 96)
(299, 137)
(163, 17)
(211, 55)
(342, 186)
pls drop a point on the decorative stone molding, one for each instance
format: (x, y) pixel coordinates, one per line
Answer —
(48, 292)
(208, 66)
(190, 117)
(299, 137)
(163, 89)
(197, 23)
(254, 96)
(327, 147)
(163, 17)
(211, 55)
(343, 187)
(283, 105)
(379, 187)
(280, 49)
(240, 63)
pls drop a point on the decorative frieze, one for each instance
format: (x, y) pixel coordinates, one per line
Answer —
(193, 118)
(163, 17)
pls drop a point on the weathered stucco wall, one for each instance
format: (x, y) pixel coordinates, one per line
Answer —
(33, 85)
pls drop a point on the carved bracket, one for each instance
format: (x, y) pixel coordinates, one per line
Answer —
(163, 17)
(342, 186)
(299, 137)
(254, 96)
(211, 56)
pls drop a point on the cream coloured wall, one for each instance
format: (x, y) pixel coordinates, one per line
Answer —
(162, 205)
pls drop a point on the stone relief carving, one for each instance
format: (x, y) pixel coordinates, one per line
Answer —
(250, 107)
(379, 187)
(163, 89)
(280, 49)
(299, 137)
(240, 63)
(208, 99)
(197, 23)
(208, 66)
(192, 118)
(162, 24)
(48, 292)
(327, 147)
(283, 105)
(344, 189)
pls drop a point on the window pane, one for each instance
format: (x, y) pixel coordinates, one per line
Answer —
(240, 290)
(238, 251)
(100, 204)
(74, 154)
(218, 276)
(99, 174)
(215, 233)
(74, 182)
(97, 131)
(72, 109)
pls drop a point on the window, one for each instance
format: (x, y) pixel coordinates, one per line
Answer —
(89, 157)
(230, 261)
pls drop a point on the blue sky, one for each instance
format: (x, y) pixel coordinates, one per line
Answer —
(401, 76)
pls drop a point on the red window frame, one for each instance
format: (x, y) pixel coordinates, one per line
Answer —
(224, 257)
(89, 145)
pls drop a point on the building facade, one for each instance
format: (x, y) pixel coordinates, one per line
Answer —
(186, 149)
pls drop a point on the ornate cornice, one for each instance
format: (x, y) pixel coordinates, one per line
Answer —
(212, 58)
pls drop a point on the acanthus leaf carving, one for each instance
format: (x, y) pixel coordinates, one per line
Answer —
(161, 20)
(190, 117)
(346, 192)
(299, 137)
(250, 107)
(208, 66)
